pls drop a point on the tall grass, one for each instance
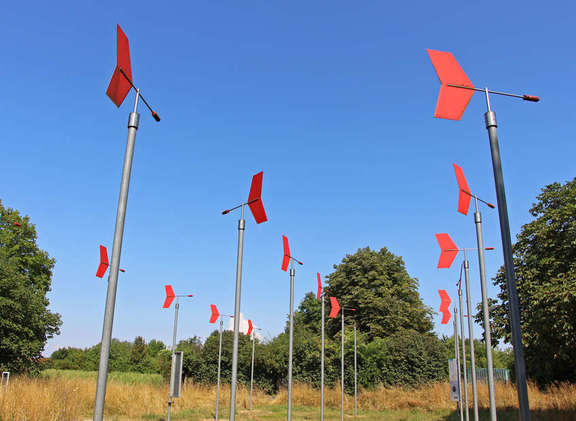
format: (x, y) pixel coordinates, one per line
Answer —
(57, 397)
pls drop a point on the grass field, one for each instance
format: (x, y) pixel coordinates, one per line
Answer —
(69, 395)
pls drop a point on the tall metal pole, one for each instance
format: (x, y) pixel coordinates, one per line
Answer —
(514, 307)
(173, 371)
(457, 357)
(241, 225)
(465, 370)
(486, 312)
(322, 365)
(291, 338)
(115, 264)
(471, 336)
(219, 364)
(252, 371)
(355, 375)
(342, 370)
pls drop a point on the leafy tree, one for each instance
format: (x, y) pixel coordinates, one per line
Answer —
(378, 285)
(25, 277)
(138, 354)
(545, 262)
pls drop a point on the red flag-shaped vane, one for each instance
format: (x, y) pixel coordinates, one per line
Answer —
(286, 257)
(215, 314)
(445, 306)
(103, 266)
(169, 296)
(334, 307)
(255, 199)
(250, 327)
(119, 86)
(319, 294)
(464, 195)
(448, 250)
(452, 102)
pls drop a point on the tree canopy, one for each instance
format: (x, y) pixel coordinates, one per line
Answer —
(25, 278)
(545, 263)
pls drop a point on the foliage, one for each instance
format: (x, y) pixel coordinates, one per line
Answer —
(378, 285)
(25, 277)
(545, 263)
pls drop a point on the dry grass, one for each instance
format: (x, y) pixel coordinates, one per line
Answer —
(68, 399)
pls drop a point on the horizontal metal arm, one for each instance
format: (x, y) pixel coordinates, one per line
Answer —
(154, 114)
(531, 98)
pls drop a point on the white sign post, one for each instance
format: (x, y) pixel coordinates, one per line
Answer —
(453, 372)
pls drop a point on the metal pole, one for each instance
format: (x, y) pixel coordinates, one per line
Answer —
(355, 375)
(463, 335)
(290, 349)
(471, 336)
(252, 371)
(514, 307)
(219, 362)
(457, 356)
(241, 224)
(172, 371)
(486, 312)
(342, 370)
(115, 264)
(322, 365)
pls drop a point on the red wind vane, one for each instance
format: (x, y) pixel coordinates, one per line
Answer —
(452, 101)
(103, 266)
(215, 314)
(464, 194)
(445, 306)
(334, 307)
(169, 296)
(319, 294)
(255, 199)
(448, 250)
(286, 258)
(119, 86)
(250, 327)
(104, 263)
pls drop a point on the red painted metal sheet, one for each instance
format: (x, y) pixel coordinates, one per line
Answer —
(103, 266)
(464, 195)
(215, 314)
(334, 307)
(448, 250)
(445, 306)
(119, 86)
(169, 296)
(286, 257)
(255, 199)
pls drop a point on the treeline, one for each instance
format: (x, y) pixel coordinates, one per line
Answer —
(396, 345)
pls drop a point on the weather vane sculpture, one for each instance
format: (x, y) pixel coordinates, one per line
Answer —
(257, 208)
(455, 94)
(288, 260)
(464, 197)
(214, 316)
(334, 310)
(448, 252)
(119, 87)
(174, 372)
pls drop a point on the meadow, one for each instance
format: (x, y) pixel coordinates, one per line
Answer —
(69, 395)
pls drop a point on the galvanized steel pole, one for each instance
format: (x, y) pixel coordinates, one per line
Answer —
(355, 375)
(514, 306)
(219, 363)
(342, 370)
(241, 225)
(290, 344)
(322, 365)
(173, 371)
(457, 357)
(252, 371)
(471, 336)
(115, 264)
(465, 370)
(486, 313)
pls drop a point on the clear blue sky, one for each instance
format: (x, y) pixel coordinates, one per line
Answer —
(333, 100)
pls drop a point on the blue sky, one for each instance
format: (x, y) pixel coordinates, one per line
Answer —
(332, 100)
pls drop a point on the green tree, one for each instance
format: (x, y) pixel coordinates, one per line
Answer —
(378, 285)
(545, 263)
(25, 278)
(138, 355)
